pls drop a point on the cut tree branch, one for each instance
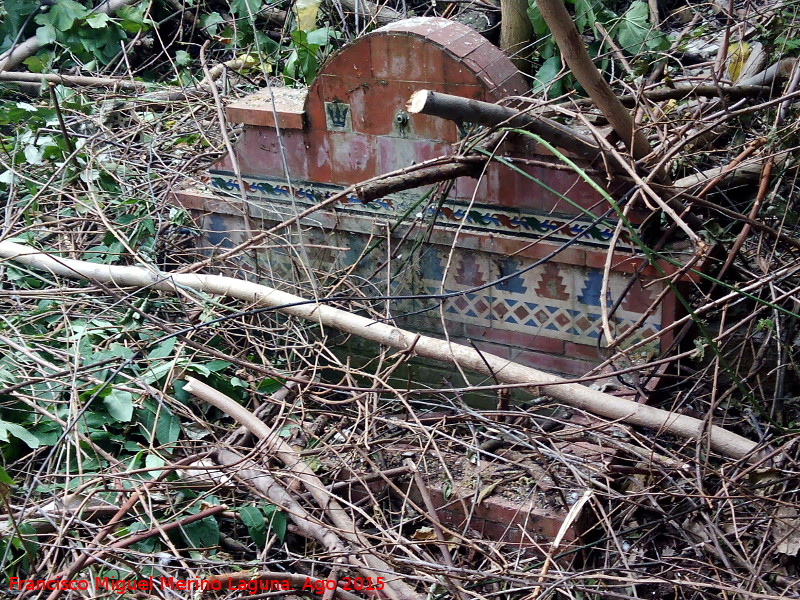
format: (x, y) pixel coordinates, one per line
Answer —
(369, 563)
(416, 178)
(574, 394)
(71, 80)
(467, 110)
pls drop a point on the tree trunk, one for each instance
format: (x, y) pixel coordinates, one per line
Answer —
(516, 33)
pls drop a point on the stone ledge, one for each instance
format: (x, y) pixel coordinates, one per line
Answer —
(258, 110)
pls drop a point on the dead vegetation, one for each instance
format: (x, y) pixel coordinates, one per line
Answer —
(130, 468)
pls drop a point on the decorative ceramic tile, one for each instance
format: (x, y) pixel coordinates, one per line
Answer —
(553, 299)
(451, 215)
(338, 116)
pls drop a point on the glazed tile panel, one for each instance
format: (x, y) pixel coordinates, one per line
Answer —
(553, 299)
(452, 214)
(544, 302)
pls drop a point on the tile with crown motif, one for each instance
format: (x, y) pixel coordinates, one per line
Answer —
(338, 116)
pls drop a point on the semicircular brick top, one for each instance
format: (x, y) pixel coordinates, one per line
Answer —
(360, 93)
(472, 51)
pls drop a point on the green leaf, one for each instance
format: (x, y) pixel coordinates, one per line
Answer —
(319, 37)
(584, 15)
(132, 18)
(120, 405)
(182, 58)
(203, 533)
(537, 20)
(5, 478)
(63, 14)
(180, 394)
(35, 64)
(245, 8)
(18, 432)
(279, 523)
(17, 12)
(265, 43)
(28, 543)
(211, 22)
(217, 365)
(46, 34)
(154, 461)
(632, 29)
(256, 524)
(33, 155)
(153, 374)
(97, 20)
(168, 428)
(270, 386)
(546, 74)
(163, 349)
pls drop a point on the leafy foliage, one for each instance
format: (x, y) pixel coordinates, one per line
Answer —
(96, 371)
(631, 30)
(310, 47)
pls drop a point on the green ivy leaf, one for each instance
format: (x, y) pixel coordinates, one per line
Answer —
(46, 34)
(182, 58)
(97, 20)
(211, 22)
(154, 461)
(537, 20)
(203, 533)
(256, 524)
(633, 28)
(217, 365)
(64, 13)
(546, 73)
(319, 37)
(167, 429)
(18, 432)
(245, 8)
(163, 350)
(132, 18)
(120, 405)
(584, 15)
(35, 64)
(5, 478)
(28, 542)
(17, 12)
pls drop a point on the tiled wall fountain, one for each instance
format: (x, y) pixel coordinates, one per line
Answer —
(351, 124)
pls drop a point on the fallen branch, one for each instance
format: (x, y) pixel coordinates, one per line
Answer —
(780, 70)
(71, 80)
(681, 92)
(262, 481)
(372, 566)
(574, 52)
(373, 190)
(584, 398)
(379, 13)
(742, 174)
(296, 580)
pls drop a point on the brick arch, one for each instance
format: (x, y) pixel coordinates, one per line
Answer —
(377, 74)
